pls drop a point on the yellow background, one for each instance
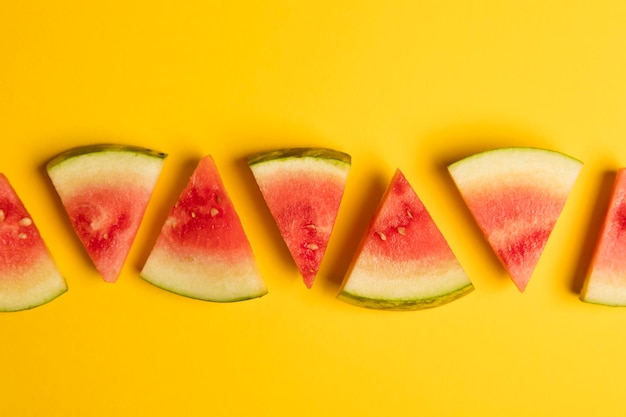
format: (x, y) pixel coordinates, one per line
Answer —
(413, 85)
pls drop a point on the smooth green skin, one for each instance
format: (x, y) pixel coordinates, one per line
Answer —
(404, 305)
(321, 153)
(103, 147)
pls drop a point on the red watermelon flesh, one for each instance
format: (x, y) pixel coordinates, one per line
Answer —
(28, 275)
(403, 261)
(606, 278)
(516, 195)
(203, 251)
(105, 190)
(303, 188)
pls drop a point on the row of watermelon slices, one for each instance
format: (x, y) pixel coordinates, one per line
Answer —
(403, 261)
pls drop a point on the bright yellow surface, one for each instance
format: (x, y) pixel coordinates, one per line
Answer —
(413, 85)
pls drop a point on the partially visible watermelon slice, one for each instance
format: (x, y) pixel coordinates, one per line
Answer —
(28, 274)
(606, 278)
(105, 190)
(403, 261)
(202, 251)
(516, 196)
(303, 188)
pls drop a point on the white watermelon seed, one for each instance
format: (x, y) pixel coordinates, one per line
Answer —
(312, 246)
(2, 215)
(22, 235)
(402, 231)
(381, 235)
(409, 214)
(193, 214)
(25, 222)
(214, 212)
(310, 226)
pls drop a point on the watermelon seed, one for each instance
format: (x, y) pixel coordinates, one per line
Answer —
(22, 235)
(105, 236)
(193, 214)
(310, 226)
(402, 231)
(214, 212)
(2, 216)
(25, 222)
(381, 235)
(409, 214)
(312, 246)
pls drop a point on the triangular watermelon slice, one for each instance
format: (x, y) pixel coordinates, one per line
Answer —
(105, 190)
(606, 278)
(303, 188)
(28, 274)
(403, 261)
(516, 196)
(202, 251)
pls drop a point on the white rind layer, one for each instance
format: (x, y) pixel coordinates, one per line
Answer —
(513, 166)
(604, 289)
(327, 167)
(40, 283)
(405, 280)
(105, 168)
(208, 278)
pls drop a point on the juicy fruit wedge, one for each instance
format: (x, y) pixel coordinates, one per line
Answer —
(303, 188)
(28, 275)
(606, 278)
(202, 251)
(403, 261)
(516, 196)
(105, 190)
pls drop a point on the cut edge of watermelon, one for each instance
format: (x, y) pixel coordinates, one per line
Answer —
(605, 281)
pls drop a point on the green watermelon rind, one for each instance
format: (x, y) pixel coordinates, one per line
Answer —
(99, 148)
(405, 304)
(327, 154)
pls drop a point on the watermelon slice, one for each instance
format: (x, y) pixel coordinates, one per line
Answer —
(516, 196)
(303, 188)
(202, 251)
(28, 274)
(403, 261)
(606, 278)
(105, 190)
